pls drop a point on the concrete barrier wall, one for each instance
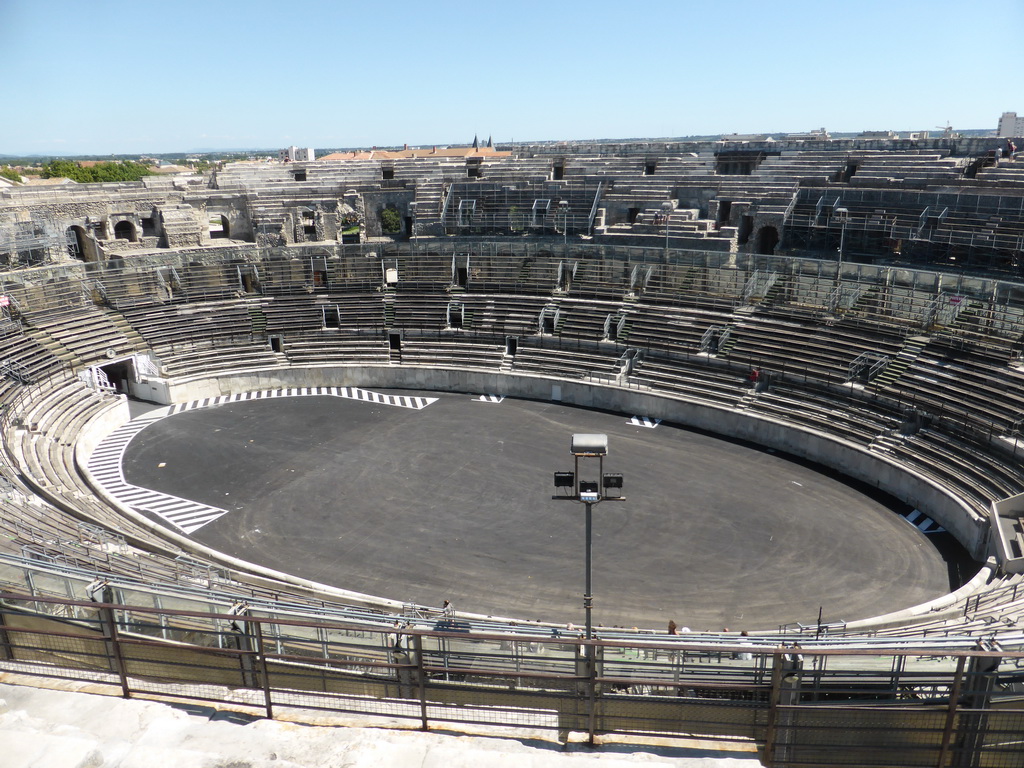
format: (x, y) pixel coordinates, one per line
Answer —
(99, 427)
(923, 493)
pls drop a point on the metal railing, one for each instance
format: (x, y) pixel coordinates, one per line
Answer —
(927, 706)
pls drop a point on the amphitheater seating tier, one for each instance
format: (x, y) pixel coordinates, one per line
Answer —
(965, 390)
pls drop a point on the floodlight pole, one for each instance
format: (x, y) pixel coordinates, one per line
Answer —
(588, 594)
(588, 584)
(667, 208)
(591, 447)
(564, 205)
(588, 492)
(842, 246)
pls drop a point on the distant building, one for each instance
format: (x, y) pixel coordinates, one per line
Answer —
(817, 135)
(1010, 125)
(296, 155)
(407, 153)
(755, 137)
(877, 135)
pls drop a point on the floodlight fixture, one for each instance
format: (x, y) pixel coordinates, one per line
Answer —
(588, 486)
(586, 444)
(612, 481)
(565, 479)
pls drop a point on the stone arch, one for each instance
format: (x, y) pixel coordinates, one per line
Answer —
(219, 226)
(125, 230)
(767, 239)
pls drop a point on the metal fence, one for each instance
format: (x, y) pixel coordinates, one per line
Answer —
(923, 706)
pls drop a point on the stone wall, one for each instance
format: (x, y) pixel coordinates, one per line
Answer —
(375, 202)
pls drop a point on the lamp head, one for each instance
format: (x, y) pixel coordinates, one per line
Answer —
(585, 444)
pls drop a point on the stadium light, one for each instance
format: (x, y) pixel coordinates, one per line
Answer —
(589, 490)
(565, 479)
(843, 215)
(667, 207)
(589, 445)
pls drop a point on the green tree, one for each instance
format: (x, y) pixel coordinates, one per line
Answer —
(9, 173)
(123, 171)
(390, 221)
(56, 169)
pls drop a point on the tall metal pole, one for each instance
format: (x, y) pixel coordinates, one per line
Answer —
(842, 245)
(588, 597)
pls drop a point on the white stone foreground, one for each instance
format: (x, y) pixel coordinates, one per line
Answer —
(45, 728)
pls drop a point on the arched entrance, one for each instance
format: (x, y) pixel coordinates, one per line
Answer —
(219, 227)
(767, 239)
(125, 230)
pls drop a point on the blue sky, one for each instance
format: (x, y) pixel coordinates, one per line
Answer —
(108, 76)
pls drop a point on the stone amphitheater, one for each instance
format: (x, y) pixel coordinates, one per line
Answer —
(875, 285)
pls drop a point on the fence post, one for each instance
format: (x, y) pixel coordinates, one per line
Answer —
(6, 649)
(265, 677)
(773, 703)
(954, 701)
(243, 644)
(421, 674)
(108, 621)
(592, 663)
(785, 691)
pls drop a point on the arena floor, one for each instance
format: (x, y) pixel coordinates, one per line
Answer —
(453, 501)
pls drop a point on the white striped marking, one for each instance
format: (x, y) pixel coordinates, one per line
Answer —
(644, 421)
(489, 399)
(922, 522)
(351, 393)
(105, 464)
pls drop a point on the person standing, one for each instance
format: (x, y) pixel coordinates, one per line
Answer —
(395, 636)
(744, 655)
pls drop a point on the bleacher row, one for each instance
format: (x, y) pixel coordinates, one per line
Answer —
(959, 385)
(967, 228)
(911, 206)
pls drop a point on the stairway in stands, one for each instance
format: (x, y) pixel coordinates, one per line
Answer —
(121, 323)
(887, 441)
(729, 331)
(911, 350)
(627, 327)
(258, 319)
